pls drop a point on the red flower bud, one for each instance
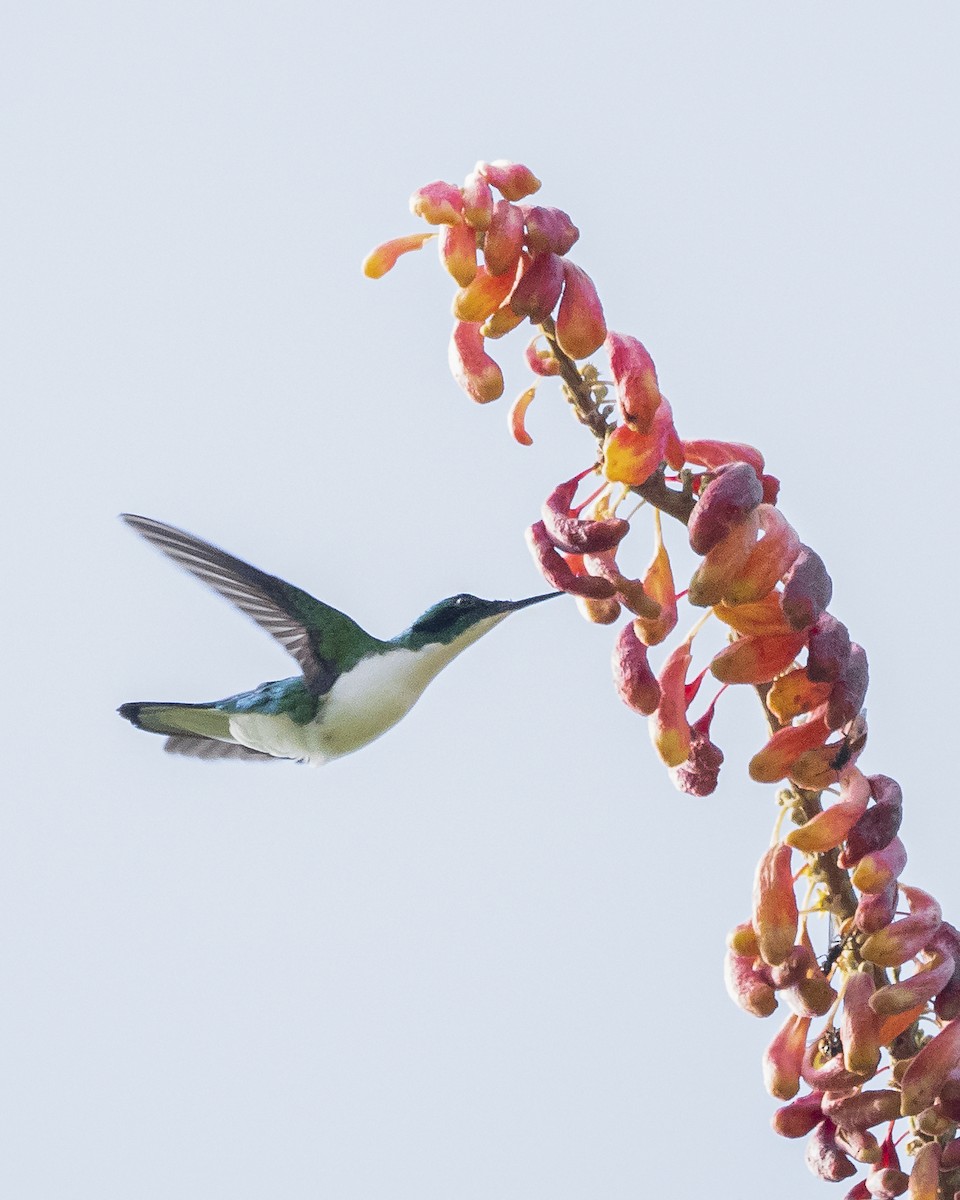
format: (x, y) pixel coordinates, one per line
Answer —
(797, 1119)
(850, 690)
(906, 994)
(713, 455)
(558, 572)
(901, 941)
(746, 986)
(549, 229)
(828, 649)
(482, 296)
(768, 560)
(477, 201)
(876, 910)
(503, 240)
(636, 683)
(826, 829)
(774, 761)
(876, 829)
(875, 871)
(825, 1158)
(807, 589)
(929, 1069)
(925, 1176)
(862, 1110)
(733, 492)
(581, 329)
(783, 1057)
(538, 288)
(635, 377)
(756, 659)
(859, 1026)
(458, 252)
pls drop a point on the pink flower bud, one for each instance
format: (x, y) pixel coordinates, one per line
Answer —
(875, 871)
(887, 1183)
(861, 1145)
(549, 229)
(438, 203)
(458, 252)
(538, 288)
(806, 991)
(925, 1176)
(825, 1158)
(541, 362)
(828, 649)
(797, 1119)
(503, 240)
(929, 1070)
(558, 572)
(713, 455)
(581, 329)
(947, 942)
(733, 492)
(482, 296)
(635, 378)
(635, 682)
(807, 589)
(783, 1057)
(850, 690)
(699, 775)
(669, 730)
(862, 1110)
(859, 1191)
(901, 941)
(774, 761)
(875, 911)
(471, 366)
(746, 986)
(512, 180)
(757, 659)
(859, 1026)
(768, 560)
(477, 201)
(518, 415)
(906, 994)
(599, 612)
(775, 905)
(384, 258)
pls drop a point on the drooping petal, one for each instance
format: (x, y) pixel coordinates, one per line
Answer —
(476, 372)
(762, 616)
(384, 257)
(558, 572)
(482, 296)
(669, 729)
(517, 418)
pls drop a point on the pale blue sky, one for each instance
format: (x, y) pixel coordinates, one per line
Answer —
(481, 959)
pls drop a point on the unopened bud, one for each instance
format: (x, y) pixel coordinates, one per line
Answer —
(724, 562)
(807, 589)
(549, 229)
(876, 829)
(733, 492)
(482, 297)
(795, 1120)
(503, 240)
(906, 994)
(558, 572)
(859, 1026)
(901, 941)
(783, 1057)
(746, 986)
(850, 690)
(635, 682)
(862, 1110)
(512, 180)
(475, 371)
(775, 760)
(768, 561)
(876, 871)
(581, 329)
(775, 905)
(929, 1069)
(635, 377)
(669, 729)
(438, 203)
(825, 1158)
(876, 911)
(827, 829)
(925, 1176)
(538, 288)
(756, 659)
(458, 252)
(828, 649)
(477, 201)
(712, 454)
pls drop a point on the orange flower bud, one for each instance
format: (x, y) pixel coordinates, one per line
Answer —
(746, 986)
(859, 1026)
(742, 939)
(733, 492)
(669, 730)
(712, 455)
(724, 562)
(438, 203)
(549, 229)
(783, 1057)
(775, 905)
(763, 616)
(483, 296)
(929, 1069)
(471, 366)
(581, 329)
(630, 457)
(518, 413)
(503, 240)
(807, 589)
(635, 682)
(774, 761)
(901, 941)
(599, 612)
(756, 659)
(659, 586)
(769, 559)
(477, 201)
(384, 258)
(795, 693)
(457, 245)
(827, 829)
(538, 288)
(875, 871)
(635, 377)
(512, 180)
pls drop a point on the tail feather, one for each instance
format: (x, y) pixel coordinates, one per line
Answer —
(195, 720)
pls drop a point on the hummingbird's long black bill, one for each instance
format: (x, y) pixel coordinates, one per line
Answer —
(513, 605)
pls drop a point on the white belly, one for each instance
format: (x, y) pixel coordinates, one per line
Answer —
(359, 707)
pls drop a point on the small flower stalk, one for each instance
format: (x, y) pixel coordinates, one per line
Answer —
(868, 1044)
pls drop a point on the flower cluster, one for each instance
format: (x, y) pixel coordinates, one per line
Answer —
(888, 977)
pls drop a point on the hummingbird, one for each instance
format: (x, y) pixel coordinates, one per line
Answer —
(352, 687)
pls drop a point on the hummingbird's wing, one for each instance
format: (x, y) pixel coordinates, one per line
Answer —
(323, 640)
(209, 748)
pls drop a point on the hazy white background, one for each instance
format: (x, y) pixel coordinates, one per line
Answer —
(481, 959)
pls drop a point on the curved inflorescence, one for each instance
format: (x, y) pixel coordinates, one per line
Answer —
(871, 1039)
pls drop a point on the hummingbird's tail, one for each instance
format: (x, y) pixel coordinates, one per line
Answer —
(195, 730)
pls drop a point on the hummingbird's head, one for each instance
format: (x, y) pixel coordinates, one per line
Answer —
(462, 619)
